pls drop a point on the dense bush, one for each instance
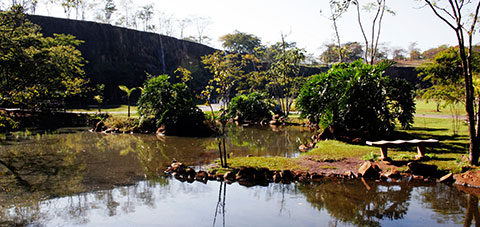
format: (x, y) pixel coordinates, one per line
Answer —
(358, 100)
(253, 107)
(6, 122)
(173, 107)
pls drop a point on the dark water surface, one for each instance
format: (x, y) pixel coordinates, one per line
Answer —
(81, 178)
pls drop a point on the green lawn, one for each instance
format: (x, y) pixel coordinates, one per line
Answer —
(430, 108)
(118, 111)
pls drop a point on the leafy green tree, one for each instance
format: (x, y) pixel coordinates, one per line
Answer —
(253, 107)
(283, 78)
(98, 97)
(173, 107)
(453, 14)
(36, 71)
(356, 99)
(240, 42)
(351, 52)
(445, 74)
(227, 69)
(129, 92)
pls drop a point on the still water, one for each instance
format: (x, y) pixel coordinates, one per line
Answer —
(87, 179)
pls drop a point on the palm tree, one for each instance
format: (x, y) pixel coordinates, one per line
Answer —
(129, 92)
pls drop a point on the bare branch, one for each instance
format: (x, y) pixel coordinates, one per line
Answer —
(434, 8)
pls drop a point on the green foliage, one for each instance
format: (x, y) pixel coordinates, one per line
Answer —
(240, 42)
(351, 51)
(252, 107)
(445, 73)
(357, 98)
(227, 69)
(6, 122)
(129, 92)
(36, 71)
(283, 78)
(172, 105)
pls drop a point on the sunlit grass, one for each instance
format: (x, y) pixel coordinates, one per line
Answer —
(272, 163)
(118, 111)
(430, 108)
(335, 150)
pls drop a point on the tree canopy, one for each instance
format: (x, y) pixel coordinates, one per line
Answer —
(240, 42)
(36, 71)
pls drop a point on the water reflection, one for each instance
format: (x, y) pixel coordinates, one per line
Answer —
(182, 204)
(116, 180)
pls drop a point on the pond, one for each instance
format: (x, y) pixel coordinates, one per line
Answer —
(76, 178)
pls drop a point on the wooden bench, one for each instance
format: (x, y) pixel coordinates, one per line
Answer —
(383, 144)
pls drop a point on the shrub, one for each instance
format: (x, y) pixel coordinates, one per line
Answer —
(358, 100)
(173, 107)
(252, 107)
(6, 122)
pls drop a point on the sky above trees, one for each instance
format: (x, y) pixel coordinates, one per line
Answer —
(303, 21)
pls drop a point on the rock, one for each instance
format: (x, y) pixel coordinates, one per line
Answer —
(246, 174)
(447, 178)
(326, 134)
(190, 173)
(394, 174)
(201, 176)
(211, 176)
(287, 176)
(219, 176)
(316, 176)
(369, 170)
(276, 117)
(229, 176)
(423, 169)
(275, 122)
(99, 126)
(277, 177)
(303, 148)
(350, 175)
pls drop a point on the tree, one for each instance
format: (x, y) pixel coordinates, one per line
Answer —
(283, 77)
(379, 7)
(357, 100)
(432, 52)
(399, 54)
(453, 13)
(414, 52)
(226, 70)
(445, 74)
(240, 42)
(173, 107)
(183, 24)
(165, 23)
(36, 72)
(337, 9)
(108, 9)
(129, 92)
(145, 14)
(351, 52)
(201, 25)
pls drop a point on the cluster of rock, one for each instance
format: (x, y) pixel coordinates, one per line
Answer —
(249, 176)
(277, 119)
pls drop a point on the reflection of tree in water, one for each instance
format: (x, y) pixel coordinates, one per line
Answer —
(351, 202)
(37, 170)
(262, 140)
(448, 203)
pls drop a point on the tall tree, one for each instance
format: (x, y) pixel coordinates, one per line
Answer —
(146, 14)
(201, 25)
(240, 42)
(36, 71)
(283, 75)
(337, 9)
(454, 14)
(183, 24)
